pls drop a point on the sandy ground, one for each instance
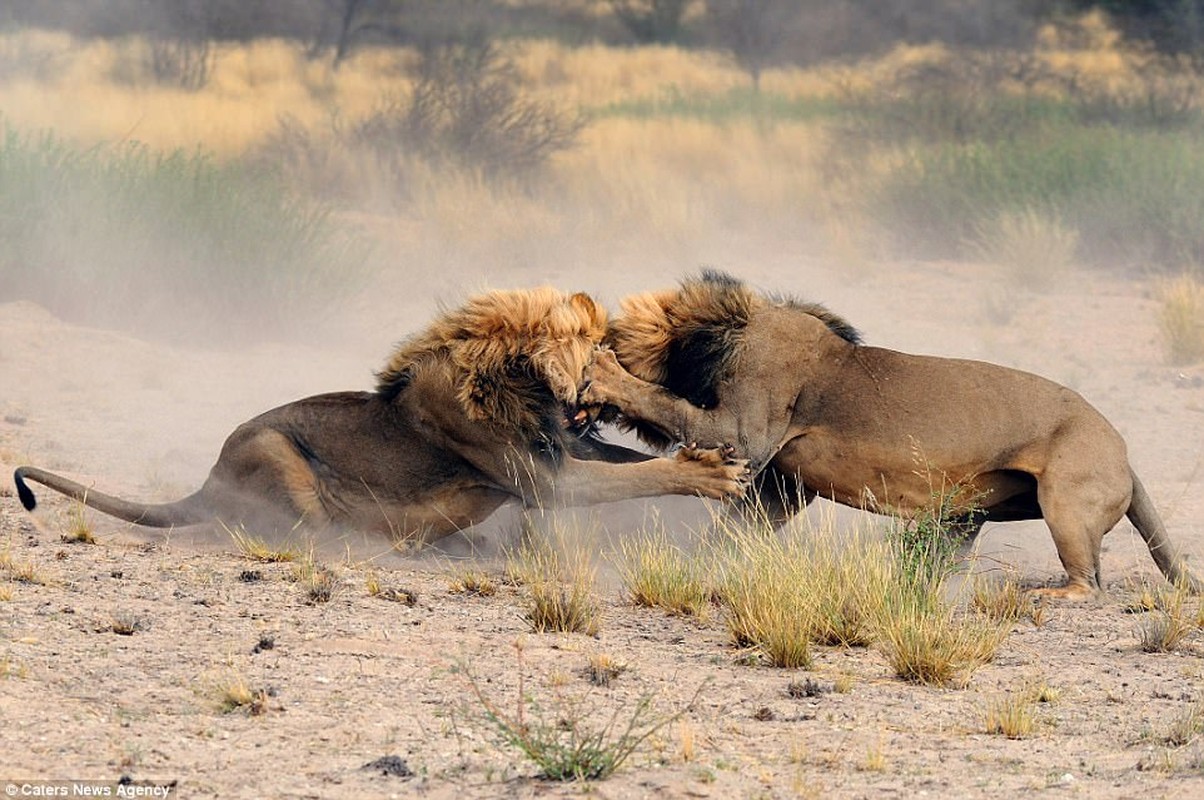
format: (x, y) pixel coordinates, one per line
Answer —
(358, 678)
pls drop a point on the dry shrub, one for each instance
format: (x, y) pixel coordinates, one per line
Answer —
(1032, 246)
(602, 669)
(1181, 318)
(318, 582)
(234, 694)
(468, 109)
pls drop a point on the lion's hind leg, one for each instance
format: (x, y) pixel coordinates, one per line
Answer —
(1080, 504)
(263, 475)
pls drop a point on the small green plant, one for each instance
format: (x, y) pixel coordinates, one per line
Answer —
(561, 741)
(1181, 318)
(925, 544)
(658, 574)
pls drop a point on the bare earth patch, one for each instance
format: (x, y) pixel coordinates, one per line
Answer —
(176, 660)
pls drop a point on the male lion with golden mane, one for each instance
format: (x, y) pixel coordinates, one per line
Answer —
(818, 413)
(480, 408)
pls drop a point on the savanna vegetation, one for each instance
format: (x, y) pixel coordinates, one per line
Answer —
(1030, 138)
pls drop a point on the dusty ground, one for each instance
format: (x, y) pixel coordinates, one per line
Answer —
(359, 678)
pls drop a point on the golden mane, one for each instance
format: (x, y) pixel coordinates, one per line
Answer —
(503, 346)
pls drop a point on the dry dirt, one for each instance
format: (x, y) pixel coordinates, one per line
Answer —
(359, 678)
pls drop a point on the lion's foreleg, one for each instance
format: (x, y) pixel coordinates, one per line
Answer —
(575, 482)
(607, 383)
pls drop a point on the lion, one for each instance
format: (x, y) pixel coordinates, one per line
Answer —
(478, 409)
(817, 412)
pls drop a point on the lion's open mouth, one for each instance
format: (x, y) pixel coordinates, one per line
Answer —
(584, 418)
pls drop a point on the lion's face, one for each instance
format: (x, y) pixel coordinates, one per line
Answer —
(509, 349)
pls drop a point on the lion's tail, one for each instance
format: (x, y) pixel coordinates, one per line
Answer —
(188, 511)
(1149, 524)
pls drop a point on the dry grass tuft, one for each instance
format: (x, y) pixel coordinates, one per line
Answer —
(560, 582)
(602, 669)
(928, 641)
(1167, 621)
(126, 623)
(78, 528)
(785, 591)
(659, 574)
(1011, 715)
(1181, 318)
(1185, 727)
(20, 571)
(256, 549)
(472, 582)
(317, 581)
(1033, 247)
(233, 694)
(1004, 600)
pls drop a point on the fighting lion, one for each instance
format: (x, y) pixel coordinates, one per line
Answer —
(480, 408)
(818, 413)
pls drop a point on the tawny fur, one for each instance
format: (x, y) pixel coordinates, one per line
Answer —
(817, 413)
(469, 413)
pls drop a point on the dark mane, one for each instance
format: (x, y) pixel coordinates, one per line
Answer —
(689, 339)
(714, 312)
(836, 323)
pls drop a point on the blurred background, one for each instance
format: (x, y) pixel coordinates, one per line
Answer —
(213, 169)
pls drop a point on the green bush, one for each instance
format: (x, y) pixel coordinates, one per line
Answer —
(167, 243)
(1135, 197)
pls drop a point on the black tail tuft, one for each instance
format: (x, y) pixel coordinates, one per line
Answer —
(24, 492)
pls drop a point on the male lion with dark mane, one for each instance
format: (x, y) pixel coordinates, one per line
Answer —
(818, 413)
(480, 408)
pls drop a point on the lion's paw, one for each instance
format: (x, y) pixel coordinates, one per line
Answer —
(721, 476)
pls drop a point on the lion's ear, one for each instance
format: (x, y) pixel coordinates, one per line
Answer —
(585, 305)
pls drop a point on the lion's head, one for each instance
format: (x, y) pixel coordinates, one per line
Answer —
(511, 351)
